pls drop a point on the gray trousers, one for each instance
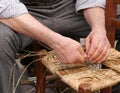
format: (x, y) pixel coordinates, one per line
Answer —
(59, 17)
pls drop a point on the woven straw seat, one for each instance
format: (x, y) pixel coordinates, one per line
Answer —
(77, 74)
(113, 60)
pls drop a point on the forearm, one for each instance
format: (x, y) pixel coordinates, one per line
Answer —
(63, 46)
(97, 44)
(95, 17)
(29, 26)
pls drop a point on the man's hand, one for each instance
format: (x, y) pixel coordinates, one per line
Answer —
(69, 51)
(97, 46)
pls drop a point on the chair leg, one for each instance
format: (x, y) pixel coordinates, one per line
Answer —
(84, 88)
(106, 90)
(40, 71)
(40, 74)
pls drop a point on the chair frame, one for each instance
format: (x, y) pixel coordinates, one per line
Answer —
(111, 24)
(111, 20)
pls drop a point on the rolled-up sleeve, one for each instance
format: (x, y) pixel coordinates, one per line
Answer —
(11, 8)
(83, 4)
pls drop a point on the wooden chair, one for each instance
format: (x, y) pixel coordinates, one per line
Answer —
(111, 20)
(111, 24)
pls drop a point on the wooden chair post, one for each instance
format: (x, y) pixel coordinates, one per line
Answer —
(84, 88)
(111, 21)
(106, 90)
(40, 71)
(40, 74)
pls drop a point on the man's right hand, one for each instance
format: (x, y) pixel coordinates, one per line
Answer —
(69, 51)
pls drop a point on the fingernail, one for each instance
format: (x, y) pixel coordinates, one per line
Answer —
(85, 55)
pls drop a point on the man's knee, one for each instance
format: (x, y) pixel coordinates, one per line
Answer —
(8, 37)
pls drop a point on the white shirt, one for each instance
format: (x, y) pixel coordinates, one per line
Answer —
(13, 8)
(83, 4)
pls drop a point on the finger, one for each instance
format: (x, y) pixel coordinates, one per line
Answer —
(87, 45)
(61, 58)
(97, 52)
(105, 57)
(81, 50)
(81, 55)
(92, 50)
(105, 52)
(102, 55)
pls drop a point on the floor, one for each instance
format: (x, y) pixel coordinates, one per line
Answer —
(30, 88)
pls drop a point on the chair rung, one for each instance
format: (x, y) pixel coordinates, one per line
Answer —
(115, 23)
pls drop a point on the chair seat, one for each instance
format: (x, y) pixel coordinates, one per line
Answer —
(81, 77)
